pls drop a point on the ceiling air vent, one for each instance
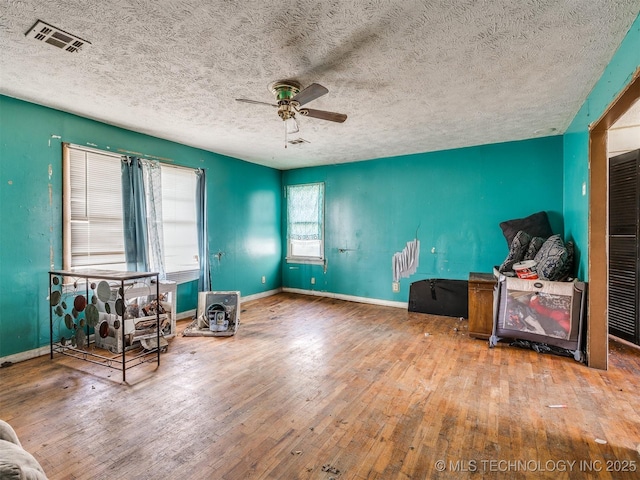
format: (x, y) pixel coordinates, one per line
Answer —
(54, 36)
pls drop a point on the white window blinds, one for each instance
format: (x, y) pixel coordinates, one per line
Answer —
(179, 220)
(94, 235)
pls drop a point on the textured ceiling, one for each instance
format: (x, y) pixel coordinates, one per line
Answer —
(412, 76)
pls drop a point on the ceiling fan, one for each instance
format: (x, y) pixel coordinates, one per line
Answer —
(290, 97)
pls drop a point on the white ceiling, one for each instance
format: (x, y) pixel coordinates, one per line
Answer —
(412, 76)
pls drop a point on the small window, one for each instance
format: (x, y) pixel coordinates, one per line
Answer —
(305, 223)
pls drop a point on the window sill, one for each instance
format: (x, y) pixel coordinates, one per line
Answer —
(306, 260)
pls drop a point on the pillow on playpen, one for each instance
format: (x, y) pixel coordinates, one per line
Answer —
(536, 225)
(567, 269)
(534, 247)
(516, 251)
(552, 259)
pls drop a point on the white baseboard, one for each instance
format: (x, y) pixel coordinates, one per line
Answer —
(28, 355)
(349, 298)
(186, 315)
(256, 296)
(46, 349)
(189, 314)
(624, 342)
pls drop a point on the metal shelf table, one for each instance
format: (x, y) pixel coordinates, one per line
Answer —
(82, 313)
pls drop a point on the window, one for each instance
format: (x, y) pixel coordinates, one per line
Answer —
(93, 229)
(179, 221)
(93, 216)
(305, 223)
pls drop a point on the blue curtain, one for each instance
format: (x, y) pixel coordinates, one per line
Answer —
(134, 215)
(204, 279)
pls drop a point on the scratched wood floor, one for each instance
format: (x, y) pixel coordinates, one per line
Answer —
(317, 388)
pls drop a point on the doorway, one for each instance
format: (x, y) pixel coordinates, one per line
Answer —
(598, 336)
(624, 244)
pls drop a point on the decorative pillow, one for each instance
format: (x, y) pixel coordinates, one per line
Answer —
(536, 225)
(516, 252)
(567, 270)
(552, 258)
(533, 248)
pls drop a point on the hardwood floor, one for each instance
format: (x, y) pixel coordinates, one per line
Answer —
(317, 388)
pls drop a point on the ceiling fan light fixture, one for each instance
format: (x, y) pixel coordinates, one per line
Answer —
(290, 97)
(285, 89)
(291, 125)
(288, 115)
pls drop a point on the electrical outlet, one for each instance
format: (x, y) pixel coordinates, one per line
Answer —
(395, 287)
(264, 279)
(313, 280)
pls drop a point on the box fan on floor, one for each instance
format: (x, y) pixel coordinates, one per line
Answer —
(217, 315)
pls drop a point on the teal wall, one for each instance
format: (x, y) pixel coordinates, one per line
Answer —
(615, 77)
(455, 200)
(576, 206)
(244, 204)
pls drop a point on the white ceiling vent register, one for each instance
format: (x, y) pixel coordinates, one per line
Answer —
(298, 141)
(54, 36)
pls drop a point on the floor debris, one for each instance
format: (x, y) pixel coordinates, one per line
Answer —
(601, 441)
(331, 469)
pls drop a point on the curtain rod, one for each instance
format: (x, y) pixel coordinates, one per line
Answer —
(168, 162)
(92, 147)
(152, 157)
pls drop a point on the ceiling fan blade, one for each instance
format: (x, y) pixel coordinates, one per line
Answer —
(244, 100)
(312, 92)
(323, 115)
